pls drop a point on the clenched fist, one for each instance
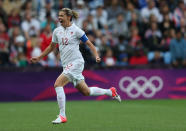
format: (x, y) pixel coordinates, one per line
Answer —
(34, 59)
(98, 59)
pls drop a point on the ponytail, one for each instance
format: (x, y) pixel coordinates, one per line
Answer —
(70, 12)
(75, 15)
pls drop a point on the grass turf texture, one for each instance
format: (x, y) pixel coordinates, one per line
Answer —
(136, 115)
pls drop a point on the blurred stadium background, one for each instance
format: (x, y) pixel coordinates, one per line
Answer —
(142, 44)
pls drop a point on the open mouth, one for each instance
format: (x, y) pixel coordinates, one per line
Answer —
(61, 21)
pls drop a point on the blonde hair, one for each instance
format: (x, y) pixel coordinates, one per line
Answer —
(71, 13)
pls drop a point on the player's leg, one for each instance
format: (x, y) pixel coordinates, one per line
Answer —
(83, 88)
(92, 91)
(96, 91)
(61, 81)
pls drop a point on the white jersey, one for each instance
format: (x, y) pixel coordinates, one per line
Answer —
(68, 39)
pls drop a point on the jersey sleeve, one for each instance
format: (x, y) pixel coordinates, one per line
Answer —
(81, 35)
(54, 37)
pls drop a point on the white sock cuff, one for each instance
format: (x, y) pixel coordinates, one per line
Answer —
(91, 91)
(59, 89)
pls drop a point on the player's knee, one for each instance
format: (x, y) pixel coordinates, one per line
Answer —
(56, 84)
(86, 93)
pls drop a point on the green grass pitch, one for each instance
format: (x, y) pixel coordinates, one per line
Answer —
(133, 115)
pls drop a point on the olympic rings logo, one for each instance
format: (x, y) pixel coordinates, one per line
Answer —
(141, 85)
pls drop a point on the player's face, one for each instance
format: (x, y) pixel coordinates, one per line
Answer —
(62, 17)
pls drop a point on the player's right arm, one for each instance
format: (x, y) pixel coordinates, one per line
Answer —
(47, 50)
(44, 53)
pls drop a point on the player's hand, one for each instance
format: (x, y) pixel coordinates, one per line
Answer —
(34, 59)
(98, 59)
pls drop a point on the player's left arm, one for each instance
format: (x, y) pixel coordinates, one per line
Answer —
(93, 49)
(82, 36)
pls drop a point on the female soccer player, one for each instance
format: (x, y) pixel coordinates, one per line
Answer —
(68, 36)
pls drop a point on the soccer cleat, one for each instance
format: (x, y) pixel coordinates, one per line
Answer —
(115, 94)
(60, 119)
